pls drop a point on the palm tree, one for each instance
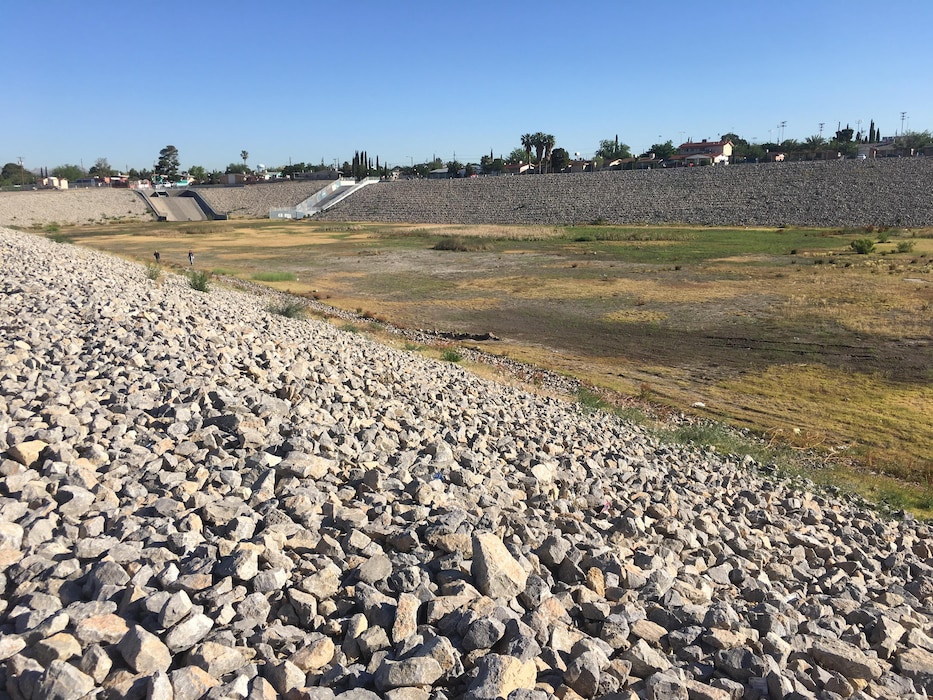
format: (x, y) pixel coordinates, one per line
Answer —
(548, 148)
(537, 140)
(527, 144)
(245, 156)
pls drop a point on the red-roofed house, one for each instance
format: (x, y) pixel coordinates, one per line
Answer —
(700, 153)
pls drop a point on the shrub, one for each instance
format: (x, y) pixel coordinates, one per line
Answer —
(883, 237)
(451, 355)
(862, 246)
(288, 309)
(454, 243)
(153, 271)
(199, 280)
(905, 246)
(52, 227)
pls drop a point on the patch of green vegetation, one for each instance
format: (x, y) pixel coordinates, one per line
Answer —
(52, 227)
(288, 309)
(275, 276)
(905, 246)
(720, 437)
(451, 355)
(862, 246)
(199, 280)
(60, 238)
(591, 402)
(153, 271)
(351, 328)
(223, 272)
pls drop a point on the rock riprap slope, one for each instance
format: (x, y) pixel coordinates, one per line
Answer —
(202, 499)
(79, 206)
(884, 192)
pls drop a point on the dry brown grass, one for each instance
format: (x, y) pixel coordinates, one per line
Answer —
(834, 357)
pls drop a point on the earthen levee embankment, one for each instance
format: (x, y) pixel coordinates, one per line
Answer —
(895, 192)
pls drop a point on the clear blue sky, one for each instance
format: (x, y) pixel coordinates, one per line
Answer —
(306, 81)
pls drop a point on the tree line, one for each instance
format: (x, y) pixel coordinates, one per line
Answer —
(547, 158)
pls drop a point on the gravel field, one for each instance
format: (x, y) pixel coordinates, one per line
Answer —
(200, 498)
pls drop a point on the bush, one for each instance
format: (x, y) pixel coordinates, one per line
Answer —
(905, 246)
(288, 309)
(862, 246)
(59, 238)
(451, 356)
(52, 227)
(153, 271)
(883, 237)
(199, 280)
(454, 243)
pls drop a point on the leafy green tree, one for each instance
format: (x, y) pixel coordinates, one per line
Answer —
(101, 168)
(198, 173)
(815, 143)
(560, 159)
(492, 165)
(663, 150)
(68, 172)
(519, 155)
(845, 135)
(237, 168)
(168, 163)
(16, 174)
(915, 139)
(612, 149)
(453, 168)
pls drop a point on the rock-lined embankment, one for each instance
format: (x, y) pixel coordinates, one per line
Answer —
(256, 200)
(885, 192)
(78, 206)
(199, 498)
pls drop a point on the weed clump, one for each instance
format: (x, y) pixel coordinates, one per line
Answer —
(457, 244)
(288, 309)
(199, 280)
(862, 246)
(153, 271)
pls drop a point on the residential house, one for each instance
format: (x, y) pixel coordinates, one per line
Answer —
(706, 152)
(519, 169)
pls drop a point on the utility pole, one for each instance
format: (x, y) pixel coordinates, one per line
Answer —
(903, 116)
(22, 174)
(821, 129)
